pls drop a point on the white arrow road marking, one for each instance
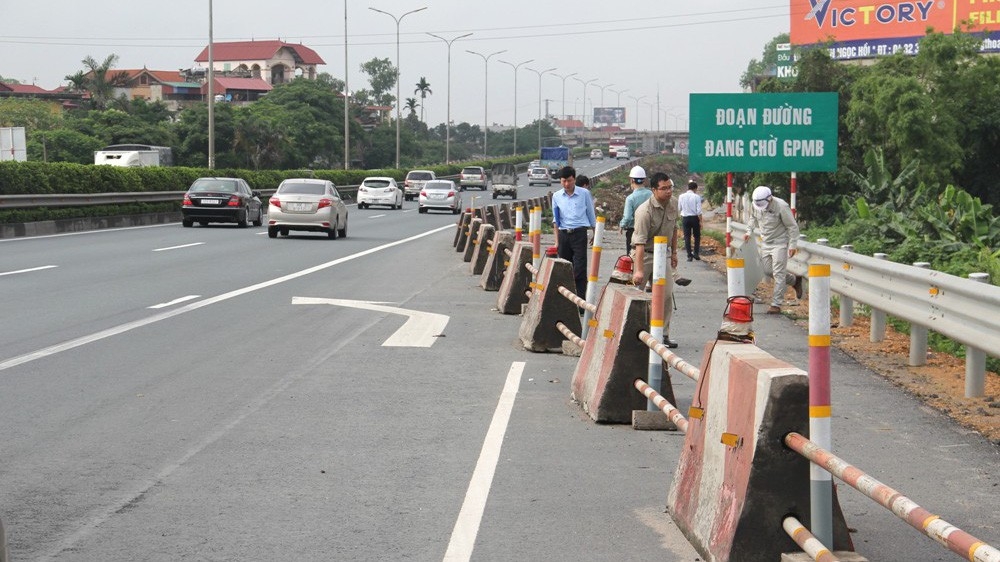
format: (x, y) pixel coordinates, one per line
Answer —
(420, 330)
(28, 270)
(173, 302)
(377, 216)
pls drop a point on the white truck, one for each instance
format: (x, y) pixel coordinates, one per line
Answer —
(134, 155)
(12, 145)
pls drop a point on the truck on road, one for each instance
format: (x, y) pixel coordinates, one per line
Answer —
(554, 158)
(134, 155)
(504, 180)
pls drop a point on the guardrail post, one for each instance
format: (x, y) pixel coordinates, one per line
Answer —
(735, 277)
(658, 281)
(536, 237)
(518, 223)
(975, 359)
(821, 484)
(877, 332)
(918, 333)
(846, 303)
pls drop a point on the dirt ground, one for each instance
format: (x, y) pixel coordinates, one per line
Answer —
(940, 384)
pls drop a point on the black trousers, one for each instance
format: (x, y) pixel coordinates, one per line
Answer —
(692, 226)
(628, 241)
(573, 248)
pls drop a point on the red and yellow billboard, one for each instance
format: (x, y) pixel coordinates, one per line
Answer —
(870, 28)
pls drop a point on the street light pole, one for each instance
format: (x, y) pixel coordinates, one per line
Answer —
(486, 92)
(585, 84)
(515, 67)
(211, 93)
(564, 90)
(636, 100)
(540, 73)
(602, 91)
(398, 73)
(447, 123)
(347, 124)
(619, 92)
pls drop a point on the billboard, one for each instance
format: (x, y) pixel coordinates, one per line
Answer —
(795, 132)
(609, 116)
(12, 145)
(857, 29)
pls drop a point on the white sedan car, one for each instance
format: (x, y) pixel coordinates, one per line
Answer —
(380, 191)
(442, 195)
(312, 205)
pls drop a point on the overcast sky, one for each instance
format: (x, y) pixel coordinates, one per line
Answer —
(650, 48)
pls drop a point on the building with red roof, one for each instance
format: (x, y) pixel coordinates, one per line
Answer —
(272, 61)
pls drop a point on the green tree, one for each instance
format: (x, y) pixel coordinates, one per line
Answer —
(424, 89)
(33, 115)
(412, 104)
(192, 134)
(382, 76)
(63, 145)
(763, 67)
(261, 140)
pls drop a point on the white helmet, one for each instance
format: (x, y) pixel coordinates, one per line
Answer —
(761, 196)
(637, 173)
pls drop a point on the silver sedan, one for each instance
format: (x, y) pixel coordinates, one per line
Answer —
(312, 205)
(442, 195)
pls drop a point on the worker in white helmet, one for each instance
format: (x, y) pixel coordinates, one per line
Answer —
(640, 194)
(773, 219)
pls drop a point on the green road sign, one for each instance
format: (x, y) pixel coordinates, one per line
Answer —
(764, 132)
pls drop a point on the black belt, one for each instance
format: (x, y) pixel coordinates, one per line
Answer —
(572, 230)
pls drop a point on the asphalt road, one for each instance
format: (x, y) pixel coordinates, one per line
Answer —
(238, 421)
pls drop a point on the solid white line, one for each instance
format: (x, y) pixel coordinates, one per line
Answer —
(463, 536)
(178, 247)
(28, 270)
(376, 216)
(175, 301)
(128, 326)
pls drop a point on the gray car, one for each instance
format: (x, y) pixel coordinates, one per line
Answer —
(442, 195)
(312, 205)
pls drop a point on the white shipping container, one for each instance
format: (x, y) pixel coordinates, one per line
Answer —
(12, 144)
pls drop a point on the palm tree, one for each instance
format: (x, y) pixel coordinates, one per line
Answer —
(412, 105)
(423, 88)
(99, 80)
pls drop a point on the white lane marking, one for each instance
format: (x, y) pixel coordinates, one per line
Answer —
(463, 536)
(376, 216)
(420, 329)
(128, 326)
(28, 270)
(173, 302)
(178, 247)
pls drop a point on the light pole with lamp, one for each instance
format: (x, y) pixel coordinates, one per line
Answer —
(563, 78)
(540, 73)
(486, 92)
(211, 93)
(447, 123)
(637, 100)
(602, 91)
(585, 84)
(619, 92)
(398, 73)
(515, 67)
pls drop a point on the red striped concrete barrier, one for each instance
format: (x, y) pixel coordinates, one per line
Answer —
(481, 252)
(546, 306)
(496, 260)
(613, 357)
(472, 237)
(736, 481)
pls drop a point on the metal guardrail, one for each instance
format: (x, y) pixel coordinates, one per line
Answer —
(348, 192)
(961, 309)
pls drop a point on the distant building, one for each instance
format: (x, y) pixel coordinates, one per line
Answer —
(274, 62)
(60, 96)
(568, 126)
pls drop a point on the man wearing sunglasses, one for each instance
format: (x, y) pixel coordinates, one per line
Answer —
(657, 217)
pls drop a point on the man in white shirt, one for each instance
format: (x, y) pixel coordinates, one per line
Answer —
(689, 204)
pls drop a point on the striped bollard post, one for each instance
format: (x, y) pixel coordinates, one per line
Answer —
(729, 216)
(918, 334)
(846, 303)
(735, 277)
(820, 481)
(658, 277)
(877, 332)
(536, 241)
(975, 359)
(518, 223)
(595, 268)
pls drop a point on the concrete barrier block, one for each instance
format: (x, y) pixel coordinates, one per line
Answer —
(736, 481)
(496, 260)
(479, 255)
(516, 280)
(504, 214)
(472, 236)
(547, 306)
(613, 357)
(462, 231)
